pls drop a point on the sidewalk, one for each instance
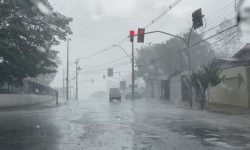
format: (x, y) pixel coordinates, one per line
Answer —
(241, 119)
(232, 110)
(46, 105)
(211, 107)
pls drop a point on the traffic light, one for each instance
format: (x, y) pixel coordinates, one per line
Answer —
(131, 35)
(141, 33)
(197, 18)
(110, 72)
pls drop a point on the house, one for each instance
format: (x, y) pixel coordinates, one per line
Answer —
(235, 87)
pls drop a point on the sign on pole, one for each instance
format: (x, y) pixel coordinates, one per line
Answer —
(110, 72)
(123, 85)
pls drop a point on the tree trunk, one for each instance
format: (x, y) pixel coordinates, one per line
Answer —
(203, 99)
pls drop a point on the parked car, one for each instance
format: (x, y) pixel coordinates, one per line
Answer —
(114, 93)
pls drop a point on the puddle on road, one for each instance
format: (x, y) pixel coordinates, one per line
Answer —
(210, 135)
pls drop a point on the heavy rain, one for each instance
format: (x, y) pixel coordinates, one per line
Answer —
(124, 75)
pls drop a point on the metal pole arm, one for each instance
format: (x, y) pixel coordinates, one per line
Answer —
(162, 32)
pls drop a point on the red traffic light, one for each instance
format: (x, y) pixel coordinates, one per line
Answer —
(141, 31)
(140, 37)
(131, 33)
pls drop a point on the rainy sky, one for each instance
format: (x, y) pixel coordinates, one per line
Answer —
(98, 24)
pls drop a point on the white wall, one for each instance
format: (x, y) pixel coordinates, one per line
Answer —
(175, 89)
(12, 100)
(235, 93)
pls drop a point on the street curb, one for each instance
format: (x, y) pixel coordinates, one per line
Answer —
(31, 107)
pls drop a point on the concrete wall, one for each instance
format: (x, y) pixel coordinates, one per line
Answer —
(175, 89)
(175, 85)
(234, 90)
(156, 89)
(12, 100)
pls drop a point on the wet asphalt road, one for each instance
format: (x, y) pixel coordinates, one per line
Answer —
(96, 124)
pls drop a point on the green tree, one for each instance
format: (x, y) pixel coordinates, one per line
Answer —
(47, 78)
(207, 76)
(167, 59)
(28, 31)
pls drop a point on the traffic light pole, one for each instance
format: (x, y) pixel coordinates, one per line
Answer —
(133, 71)
(189, 67)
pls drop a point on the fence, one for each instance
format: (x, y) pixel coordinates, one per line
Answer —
(27, 87)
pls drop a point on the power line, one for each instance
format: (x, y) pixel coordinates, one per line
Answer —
(229, 41)
(100, 71)
(224, 38)
(178, 51)
(219, 10)
(113, 66)
(104, 50)
(103, 70)
(110, 62)
(216, 26)
(126, 38)
(216, 16)
(214, 35)
(220, 18)
(195, 44)
(170, 7)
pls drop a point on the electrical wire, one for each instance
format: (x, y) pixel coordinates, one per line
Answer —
(220, 9)
(218, 25)
(228, 41)
(195, 44)
(170, 7)
(219, 18)
(126, 38)
(104, 69)
(110, 62)
(234, 26)
(152, 22)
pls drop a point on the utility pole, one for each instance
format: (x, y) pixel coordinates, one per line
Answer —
(67, 80)
(133, 71)
(70, 88)
(77, 61)
(63, 92)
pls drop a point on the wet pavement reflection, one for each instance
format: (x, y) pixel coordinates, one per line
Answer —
(97, 124)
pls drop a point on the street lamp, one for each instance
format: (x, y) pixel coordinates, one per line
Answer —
(122, 50)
